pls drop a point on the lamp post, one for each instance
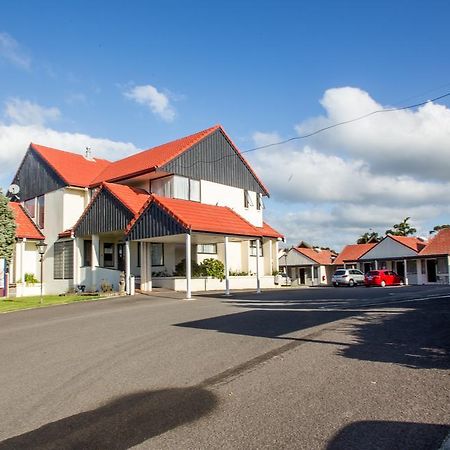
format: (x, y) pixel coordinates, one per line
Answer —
(286, 251)
(41, 247)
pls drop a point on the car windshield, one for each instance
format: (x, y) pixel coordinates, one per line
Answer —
(340, 272)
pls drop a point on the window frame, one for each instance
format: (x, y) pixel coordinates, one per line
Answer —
(162, 254)
(253, 248)
(203, 252)
(112, 255)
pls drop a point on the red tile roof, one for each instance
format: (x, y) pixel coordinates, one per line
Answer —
(25, 227)
(148, 160)
(412, 242)
(131, 197)
(352, 252)
(439, 244)
(324, 257)
(201, 217)
(73, 168)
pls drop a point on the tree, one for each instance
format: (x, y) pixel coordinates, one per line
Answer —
(439, 227)
(402, 229)
(7, 229)
(369, 237)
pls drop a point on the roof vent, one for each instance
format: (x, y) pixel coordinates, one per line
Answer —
(88, 154)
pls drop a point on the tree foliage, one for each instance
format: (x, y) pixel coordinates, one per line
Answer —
(210, 267)
(439, 227)
(7, 229)
(369, 237)
(402, 229)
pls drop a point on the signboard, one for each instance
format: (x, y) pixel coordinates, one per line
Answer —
(2, 277)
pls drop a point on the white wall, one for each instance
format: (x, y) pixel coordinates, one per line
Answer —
(388, 248)
(223, 195)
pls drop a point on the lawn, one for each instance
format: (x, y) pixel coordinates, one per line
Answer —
(17, 303)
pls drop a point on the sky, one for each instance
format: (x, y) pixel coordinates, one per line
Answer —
(120, 76)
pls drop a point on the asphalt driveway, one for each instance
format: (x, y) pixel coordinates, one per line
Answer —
(309, 368)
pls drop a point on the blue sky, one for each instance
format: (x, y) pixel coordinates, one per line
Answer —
(258, 68)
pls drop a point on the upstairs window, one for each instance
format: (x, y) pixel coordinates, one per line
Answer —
(259, 203)
(247, 199)
(194, 190)
(177, 186)
(40, 211)
(30, 206)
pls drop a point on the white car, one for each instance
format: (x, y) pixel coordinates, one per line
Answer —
(283, 280)
(347, 277)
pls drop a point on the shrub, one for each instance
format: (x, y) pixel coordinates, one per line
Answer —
(180, 269)
(211, 267)
(30, 278)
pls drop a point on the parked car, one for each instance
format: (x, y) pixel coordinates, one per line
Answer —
(382, 278)
(347, 277)
(283, 280)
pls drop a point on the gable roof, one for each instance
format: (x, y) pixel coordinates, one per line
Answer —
(324, 257)
(439, 244)
(150, 159)
(73, 168)
(131, 197)
(156, 157)
(201, 217)
(25, 227)
(352, 252)
(412, 242)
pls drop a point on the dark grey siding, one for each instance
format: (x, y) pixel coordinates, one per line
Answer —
(214, 159)
(35, 177)
(155, 222)
(105, 214)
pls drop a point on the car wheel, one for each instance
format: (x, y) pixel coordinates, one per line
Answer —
(383, 283)
(351, 283)
(335, 284)
(402, 283)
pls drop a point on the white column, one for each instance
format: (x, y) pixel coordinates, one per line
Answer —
(270, 255)
(95, 259)
(227, 270)
(22, 259)
(277, 261)
(448, 268)
(406, 272)
(127, 268)
(419, 271)
(149, 265)
(258, 283)
(376, 265)
(75, 264)
(143, 263)
(188, 266)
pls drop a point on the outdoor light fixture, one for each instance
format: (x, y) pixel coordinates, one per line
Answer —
(41, 247)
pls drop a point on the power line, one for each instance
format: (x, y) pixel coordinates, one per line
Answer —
(321, 130)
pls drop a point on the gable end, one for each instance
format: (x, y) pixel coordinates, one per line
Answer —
(215, 159)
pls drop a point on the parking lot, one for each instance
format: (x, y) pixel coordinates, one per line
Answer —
(316, 368)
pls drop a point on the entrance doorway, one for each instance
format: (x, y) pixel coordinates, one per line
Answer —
(367, 267)
(302, 276)
(431, 270)
(401, 269)
(121, 257)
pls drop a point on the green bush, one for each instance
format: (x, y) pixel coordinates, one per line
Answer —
(180, 269)
(211, 267)
(30, 278)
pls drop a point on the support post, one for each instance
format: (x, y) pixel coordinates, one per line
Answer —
(95, 259)
(188, 266)
(376, 265)
(22, 259)
(419, 271)
(258, 282)
(448, 268)
(143, 264)
(227, 270)
(127, 268)
(406, 272)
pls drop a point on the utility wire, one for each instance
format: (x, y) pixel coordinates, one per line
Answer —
(321, 130)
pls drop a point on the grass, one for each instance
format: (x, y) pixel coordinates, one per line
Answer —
(18, 303)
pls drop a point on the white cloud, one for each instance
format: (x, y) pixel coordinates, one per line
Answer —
(157, 101)
(409, 142)
(24, 112)
(11, 51)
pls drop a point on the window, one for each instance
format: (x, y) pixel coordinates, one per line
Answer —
(157, 254)
(30, 206)
(40, 211)
(316, 272)
(210, 249)
(108, 255)
(259, 203)
(194, 190)
(181, 187)
(87, 253)
(246, 199)
(253, 248)
(63, 260)
(162, 186)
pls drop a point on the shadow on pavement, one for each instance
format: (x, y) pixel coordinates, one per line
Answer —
(270, 324)
(121, 423)
(418, 337)
(381, 435)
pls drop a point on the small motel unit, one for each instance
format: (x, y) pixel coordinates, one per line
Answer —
(138, 218)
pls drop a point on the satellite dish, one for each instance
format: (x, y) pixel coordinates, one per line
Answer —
(14, 189)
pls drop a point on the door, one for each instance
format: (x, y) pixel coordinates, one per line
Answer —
(401, 269)
(367, 267)
(121, 257)
(302, 276)
(431, 270)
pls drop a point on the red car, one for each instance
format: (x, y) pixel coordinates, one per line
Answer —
(382, 278)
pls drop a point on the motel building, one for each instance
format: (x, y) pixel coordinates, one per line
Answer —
(141, 216)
